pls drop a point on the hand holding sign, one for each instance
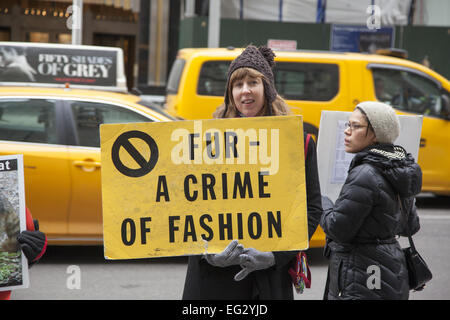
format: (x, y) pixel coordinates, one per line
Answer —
(228, 257)
(252, 260)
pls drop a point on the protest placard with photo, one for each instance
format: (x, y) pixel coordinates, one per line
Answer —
(13, 264)
(332, 160)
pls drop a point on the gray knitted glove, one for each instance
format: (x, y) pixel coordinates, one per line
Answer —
(228, 257)
(327, 203)
(251, 260)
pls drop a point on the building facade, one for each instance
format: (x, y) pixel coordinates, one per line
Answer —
(147, 31)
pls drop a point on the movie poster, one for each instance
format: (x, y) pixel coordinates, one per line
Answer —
(50, 65)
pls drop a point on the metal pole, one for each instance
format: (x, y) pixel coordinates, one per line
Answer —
(280, 10)
(241, 9)
(321, 8)
(190, 9)
(214, 24)
(412, 9)
(77, 22)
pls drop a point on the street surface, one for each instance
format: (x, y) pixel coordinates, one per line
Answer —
(163, 278)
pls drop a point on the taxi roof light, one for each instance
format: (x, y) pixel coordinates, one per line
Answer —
(393, 52)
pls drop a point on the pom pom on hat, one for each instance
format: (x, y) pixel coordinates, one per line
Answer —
(268, 54)
(383, 119)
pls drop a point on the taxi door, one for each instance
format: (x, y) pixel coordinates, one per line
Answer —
(85, 214)
(414, 92)
(29, 126)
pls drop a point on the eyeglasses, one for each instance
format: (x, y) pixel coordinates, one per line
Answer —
(353, 126)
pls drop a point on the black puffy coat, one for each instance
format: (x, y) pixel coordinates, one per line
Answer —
(207, 282)
(362, 226)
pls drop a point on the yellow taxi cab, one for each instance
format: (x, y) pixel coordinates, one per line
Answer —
(55, 125)
(312, 81)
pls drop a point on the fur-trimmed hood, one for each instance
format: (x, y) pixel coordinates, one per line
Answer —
(395, 164)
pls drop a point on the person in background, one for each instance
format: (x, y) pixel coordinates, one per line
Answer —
(361, 227)
(380, 91)
(247, 273)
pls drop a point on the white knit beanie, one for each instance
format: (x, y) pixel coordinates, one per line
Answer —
(383, 119)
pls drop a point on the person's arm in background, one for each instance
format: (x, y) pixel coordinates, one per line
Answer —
(32, 241)
(313, 195)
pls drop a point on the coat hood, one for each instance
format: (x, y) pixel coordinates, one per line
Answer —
(395, 164)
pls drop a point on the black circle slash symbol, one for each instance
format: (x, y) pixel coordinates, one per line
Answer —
(144, 166)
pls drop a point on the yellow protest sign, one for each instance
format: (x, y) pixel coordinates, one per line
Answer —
(169, 188)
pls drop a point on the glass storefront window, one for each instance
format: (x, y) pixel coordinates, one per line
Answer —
(39, 37)
(5, 35)
(65, 38)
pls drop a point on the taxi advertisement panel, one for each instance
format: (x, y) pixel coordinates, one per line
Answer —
(179, 188)
(55, 64)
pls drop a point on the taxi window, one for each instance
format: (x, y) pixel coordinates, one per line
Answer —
(154, 107)
(28, 120)
(213, 78)
(89, 115)
(307, 81)
(175, 75)
(294, 81)
(408, 91)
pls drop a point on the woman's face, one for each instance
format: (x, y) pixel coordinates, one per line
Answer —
(357, 135)
(248, 95)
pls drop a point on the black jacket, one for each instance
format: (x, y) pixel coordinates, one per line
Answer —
(204, 281)
(362, 226)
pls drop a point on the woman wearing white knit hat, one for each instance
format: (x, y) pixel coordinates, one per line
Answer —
(362, 225)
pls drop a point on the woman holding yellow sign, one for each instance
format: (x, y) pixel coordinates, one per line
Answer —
(247, 273)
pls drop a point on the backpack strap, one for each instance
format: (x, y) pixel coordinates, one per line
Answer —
(308, 137)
